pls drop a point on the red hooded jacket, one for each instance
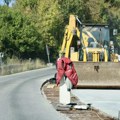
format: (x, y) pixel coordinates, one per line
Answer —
(65, 67)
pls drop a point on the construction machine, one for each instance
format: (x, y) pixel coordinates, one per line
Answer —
(93, 54)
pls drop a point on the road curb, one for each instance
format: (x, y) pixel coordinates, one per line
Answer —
(51, 94)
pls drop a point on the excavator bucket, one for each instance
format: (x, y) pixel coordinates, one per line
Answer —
(98, 75)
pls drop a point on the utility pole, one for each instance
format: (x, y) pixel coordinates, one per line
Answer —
(48, 53)
(1, 56)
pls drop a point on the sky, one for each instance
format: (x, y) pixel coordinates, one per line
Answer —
(2, 2)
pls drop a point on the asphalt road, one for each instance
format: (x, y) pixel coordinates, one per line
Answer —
(21, 99)
(108, 101)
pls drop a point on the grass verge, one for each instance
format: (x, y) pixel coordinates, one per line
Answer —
(16, 65)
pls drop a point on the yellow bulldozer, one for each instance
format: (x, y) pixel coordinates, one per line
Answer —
(93, 54)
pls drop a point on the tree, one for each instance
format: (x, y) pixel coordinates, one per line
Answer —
(110, 13)
(49, 24)
(46, 18)
(17, 34)
(76, 7)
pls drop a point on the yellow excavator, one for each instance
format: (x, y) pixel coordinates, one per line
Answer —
(93, 54)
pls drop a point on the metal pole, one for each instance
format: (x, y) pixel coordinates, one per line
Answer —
(0, 61)
(1, 56)
(48, 53)
(48, 59)
(118, 115)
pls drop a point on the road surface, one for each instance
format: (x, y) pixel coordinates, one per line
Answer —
(107, 101)
(21, 99)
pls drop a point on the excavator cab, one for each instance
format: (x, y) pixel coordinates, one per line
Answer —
(92, 46)
(97, 48)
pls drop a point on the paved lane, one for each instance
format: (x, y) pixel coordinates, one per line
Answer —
(107, 101)
(20, 97)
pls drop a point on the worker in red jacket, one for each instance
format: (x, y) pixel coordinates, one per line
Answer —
(65, 68)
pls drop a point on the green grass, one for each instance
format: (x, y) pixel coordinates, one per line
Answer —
(15, 65)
